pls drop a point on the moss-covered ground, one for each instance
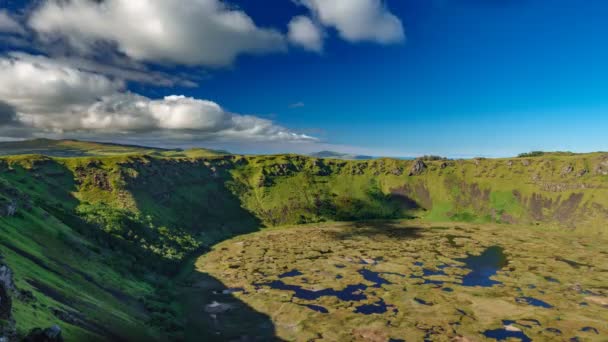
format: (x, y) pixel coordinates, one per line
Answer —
(422, 270)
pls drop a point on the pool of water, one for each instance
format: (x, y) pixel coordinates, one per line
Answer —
(349, 293)
(375, 308)
(292, 273)
(374, 277)
(484, 266)
(317, 308)
(534, 302)
(503, 334)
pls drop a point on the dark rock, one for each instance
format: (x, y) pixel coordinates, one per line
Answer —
(358, 169)
(397, 171)
(602, 168)
(8, 208)
(418, 168)
(7, 287)
(582, 172)
(568, 169)
(52, 334)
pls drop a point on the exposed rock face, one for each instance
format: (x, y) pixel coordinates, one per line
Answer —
(8, 208)
(7, 287)
(52, 334)
(602, 168)
(568, 169)
(418, 168)
(397, 171)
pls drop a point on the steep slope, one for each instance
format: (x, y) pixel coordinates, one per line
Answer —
(94, 243)
(568, 191)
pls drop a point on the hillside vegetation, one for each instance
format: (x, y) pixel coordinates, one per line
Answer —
(97, 244)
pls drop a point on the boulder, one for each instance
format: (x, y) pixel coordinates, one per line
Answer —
(418, 168)
(7, 287)
(602, 168)
(52, 334)
(568, 169)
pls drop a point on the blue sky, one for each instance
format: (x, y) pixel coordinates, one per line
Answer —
(468, 78)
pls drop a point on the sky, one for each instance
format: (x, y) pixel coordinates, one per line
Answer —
(401, 78)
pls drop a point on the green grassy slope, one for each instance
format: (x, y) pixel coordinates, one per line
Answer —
(94, 242)
(568, 191)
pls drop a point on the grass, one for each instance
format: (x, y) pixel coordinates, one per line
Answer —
(130, 220)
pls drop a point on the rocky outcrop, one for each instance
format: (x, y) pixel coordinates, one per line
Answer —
(418, 168)
(602, 168)
(568, 169)
(7, 287)
(8, 207)
(52, 334)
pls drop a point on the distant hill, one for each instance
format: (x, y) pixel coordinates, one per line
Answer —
(338, 155)
(79, 148)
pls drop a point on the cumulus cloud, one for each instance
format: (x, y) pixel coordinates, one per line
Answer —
(8, 24)
(194, 32)
(36, 84)
(305, 33)
(38, 94)
(358, 20)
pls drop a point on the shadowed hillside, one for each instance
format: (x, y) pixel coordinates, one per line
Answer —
(99, 244)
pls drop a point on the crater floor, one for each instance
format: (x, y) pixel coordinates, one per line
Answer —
(414, 281)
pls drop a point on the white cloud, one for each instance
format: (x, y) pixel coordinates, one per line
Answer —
(194, 32)
(8, 24)
(358, 20)
(303, 32)
(43, 95)
(36, 84)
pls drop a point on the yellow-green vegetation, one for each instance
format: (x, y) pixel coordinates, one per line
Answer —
(101, 239)
(411, 278)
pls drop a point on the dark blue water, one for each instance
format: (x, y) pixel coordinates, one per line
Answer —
(590, 329)
(534, 302)
(292, 273)
(428, 281)
(427, 272)
(317, 308)
(374, 277)
(504, 334)
(422, 301)
(369, 309)
(349, 293)
(447, 289)
(484, 266)
(554, 330)
(551, 279)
